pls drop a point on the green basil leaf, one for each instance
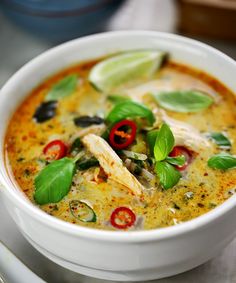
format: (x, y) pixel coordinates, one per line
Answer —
(164, 143)
(167, 174)
(130, 109)
(184, 100)
(63, 88)
(117, 98)
(151, 139)
(54, 181)
(222, 161)
(178, 160)
(220, 139)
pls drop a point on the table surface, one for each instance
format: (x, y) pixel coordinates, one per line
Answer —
(16, 48)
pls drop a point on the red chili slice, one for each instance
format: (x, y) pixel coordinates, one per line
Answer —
(120, 137)
(180, 150)
(122, 218)
(55, 150)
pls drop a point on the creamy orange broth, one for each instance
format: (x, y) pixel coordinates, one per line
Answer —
(200, 190)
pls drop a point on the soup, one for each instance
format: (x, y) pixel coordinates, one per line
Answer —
(133, 141)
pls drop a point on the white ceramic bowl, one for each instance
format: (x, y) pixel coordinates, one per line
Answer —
(120, 256)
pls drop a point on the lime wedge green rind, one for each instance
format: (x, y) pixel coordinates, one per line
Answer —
(119, 69)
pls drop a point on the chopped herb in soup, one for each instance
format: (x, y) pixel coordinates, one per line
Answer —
(130, 142)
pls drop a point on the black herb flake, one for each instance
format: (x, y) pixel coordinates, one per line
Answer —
(86, 121)
(176, 206)
(212, 205)
(200, 205)
(27, 172)
(140, 163)
(76, 146)
(45, 111)
(137, 170)
(55, 208)
(87, 163)
(150, 161)
(50, 126)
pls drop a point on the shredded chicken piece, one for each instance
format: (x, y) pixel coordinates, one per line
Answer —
(186, 134)
(111, 163)
(138, 93)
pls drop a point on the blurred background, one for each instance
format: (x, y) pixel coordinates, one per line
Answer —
(29, 27)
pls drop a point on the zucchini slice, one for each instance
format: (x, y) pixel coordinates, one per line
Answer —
(82, 211)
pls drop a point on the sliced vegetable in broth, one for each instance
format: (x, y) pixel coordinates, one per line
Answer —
(82, 211)
(142, 152)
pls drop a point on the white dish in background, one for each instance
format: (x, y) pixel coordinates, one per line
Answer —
(121, 256)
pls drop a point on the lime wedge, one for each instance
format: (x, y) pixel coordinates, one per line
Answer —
(117, 70)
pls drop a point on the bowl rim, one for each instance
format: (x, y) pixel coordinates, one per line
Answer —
(105, 235)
